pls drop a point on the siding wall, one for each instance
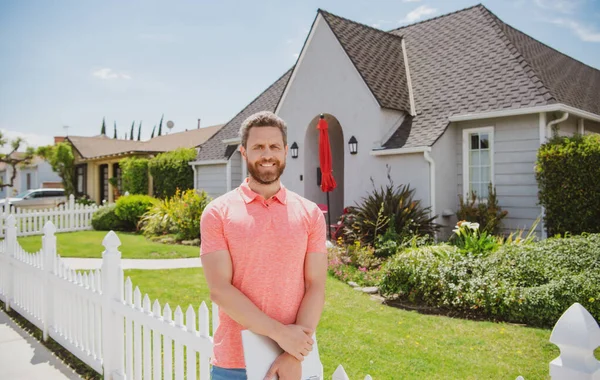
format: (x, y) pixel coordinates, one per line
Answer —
(212, 179)
(516, 141)
(236, 169)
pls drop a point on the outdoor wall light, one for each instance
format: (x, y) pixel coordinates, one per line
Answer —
(353, 144)
(294, 149)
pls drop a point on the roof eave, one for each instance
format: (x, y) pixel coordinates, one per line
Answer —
(560, 107)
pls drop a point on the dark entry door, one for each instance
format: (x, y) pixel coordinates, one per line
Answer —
(103, 182)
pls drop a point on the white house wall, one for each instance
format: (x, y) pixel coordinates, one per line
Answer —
(212, 179)
(516, 142)
(40, 173)
(591, 127)
(326, 81)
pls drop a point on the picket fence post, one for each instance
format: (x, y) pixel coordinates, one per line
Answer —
(71, 212)
(577, 335)
(11, 241)
(113, 335)
(49, 257)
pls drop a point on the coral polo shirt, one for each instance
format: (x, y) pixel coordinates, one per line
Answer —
(268, 240)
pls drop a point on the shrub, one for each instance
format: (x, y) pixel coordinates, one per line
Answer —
(85, 200)
(396, 204)
(134, 175)
(525, 283)
(171, 171)
(105, 219)
(486, 213)
(131, 208)
(186, 209)
(179, 215)
(354, 263)
(568, 176)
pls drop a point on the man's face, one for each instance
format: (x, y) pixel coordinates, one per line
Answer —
(265, 154)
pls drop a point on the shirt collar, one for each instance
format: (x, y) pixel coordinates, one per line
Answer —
(249, 195)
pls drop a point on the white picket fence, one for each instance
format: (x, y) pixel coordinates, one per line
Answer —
(67, 217)
(98, 317)
(107, 324)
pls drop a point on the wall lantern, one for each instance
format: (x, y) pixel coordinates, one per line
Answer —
(294, 149)
(353, 144)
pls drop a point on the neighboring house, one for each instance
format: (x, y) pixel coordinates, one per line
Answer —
(97, 158)
(449, 104)
(36, 175)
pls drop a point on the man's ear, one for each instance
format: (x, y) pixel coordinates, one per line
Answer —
(243, 152)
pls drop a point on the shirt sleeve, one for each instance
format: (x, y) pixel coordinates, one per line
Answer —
(317, 236)
(212, 235)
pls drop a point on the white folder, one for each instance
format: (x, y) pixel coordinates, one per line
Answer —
(260, 352)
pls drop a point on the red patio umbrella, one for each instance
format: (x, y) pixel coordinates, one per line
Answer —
(327, 180)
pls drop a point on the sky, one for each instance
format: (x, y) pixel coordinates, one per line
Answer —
(67, 64)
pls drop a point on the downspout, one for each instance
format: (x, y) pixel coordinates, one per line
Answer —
(429, 159)
(564, 117)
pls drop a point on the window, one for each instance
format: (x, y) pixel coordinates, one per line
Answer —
(80, 179)
(28, 181)
(478, 160)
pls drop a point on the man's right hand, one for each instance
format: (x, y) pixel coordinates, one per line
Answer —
(295, 340)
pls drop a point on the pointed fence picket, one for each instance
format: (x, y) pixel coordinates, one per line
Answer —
(67, 217)
(100, 318)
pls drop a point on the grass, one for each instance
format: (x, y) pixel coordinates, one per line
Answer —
(88, 244)
(369, 338)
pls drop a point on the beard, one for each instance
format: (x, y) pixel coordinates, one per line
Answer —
(266, 176)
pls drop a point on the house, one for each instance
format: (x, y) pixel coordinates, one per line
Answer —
(97, 158)
(450, 104)
(36, 175)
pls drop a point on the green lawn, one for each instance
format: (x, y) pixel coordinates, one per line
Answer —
(89, 244)
(388, 343)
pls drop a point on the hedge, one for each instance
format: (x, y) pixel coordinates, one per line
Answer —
(134, 175)
(568, 176)
(105, 219)
(171, 171)
(532, 283)
(131, 208)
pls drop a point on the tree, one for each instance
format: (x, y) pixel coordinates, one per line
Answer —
(115, 134)
(131, 132)
(103, 130)
(140, 132)
(153, 129)
(160, 125)
(60, 156)
(12, 159)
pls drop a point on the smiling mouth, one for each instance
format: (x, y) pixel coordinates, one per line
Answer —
(267, 165)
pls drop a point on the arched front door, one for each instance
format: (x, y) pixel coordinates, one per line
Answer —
(312, 189)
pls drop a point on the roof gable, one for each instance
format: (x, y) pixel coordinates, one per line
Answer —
(378, 57)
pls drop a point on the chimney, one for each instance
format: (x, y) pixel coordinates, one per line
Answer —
(58, 139)
(198, 123)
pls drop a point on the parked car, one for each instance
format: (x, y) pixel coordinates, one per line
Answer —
(37, 199)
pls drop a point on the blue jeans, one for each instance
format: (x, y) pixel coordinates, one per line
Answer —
(218, 373)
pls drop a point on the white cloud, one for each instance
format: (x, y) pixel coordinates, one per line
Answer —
(417, 14)
(30, 139)
(584, 32)
(562, 6)
(107, 73)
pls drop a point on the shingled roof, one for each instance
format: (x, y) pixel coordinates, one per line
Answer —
(377, 56)
(214, 148)
(467, 61)
(103, 146)
(470, 61)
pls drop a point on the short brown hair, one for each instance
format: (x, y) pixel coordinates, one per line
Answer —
(263, 119)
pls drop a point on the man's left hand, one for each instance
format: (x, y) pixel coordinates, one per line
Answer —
(286, 367)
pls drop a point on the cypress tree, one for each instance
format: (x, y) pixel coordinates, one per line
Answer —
(115, 134)
(140, 132)
(131, 132)
(160, 125)
(153, 129)
(103, 130)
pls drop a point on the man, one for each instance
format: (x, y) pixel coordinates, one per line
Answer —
(264, 256)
